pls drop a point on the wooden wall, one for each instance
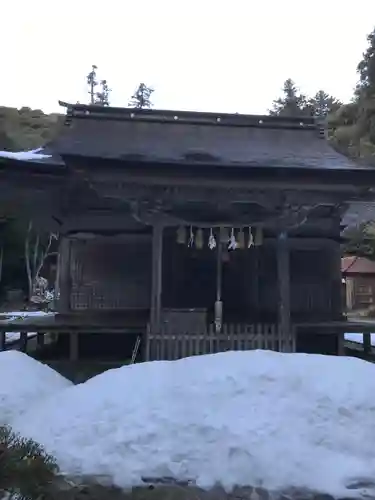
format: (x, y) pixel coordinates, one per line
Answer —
(360, 291)
(108, 274)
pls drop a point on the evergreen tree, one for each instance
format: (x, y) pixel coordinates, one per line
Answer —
(366, 69)
(141, 98)
(92, 83)
(293, 103)
(27, 472)
(360, 241)
(353, 125)
(6, 143)
(102, 97)
(322, 104)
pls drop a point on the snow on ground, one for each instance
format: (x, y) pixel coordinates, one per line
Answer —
(33, 154)
(358, 337)
(23, 383)
(236, 418)
(25, 314)
(15, 336)
(13, 315)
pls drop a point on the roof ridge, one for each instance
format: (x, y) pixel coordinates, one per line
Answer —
(184, 116)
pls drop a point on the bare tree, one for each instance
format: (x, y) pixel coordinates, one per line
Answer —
(36, 253)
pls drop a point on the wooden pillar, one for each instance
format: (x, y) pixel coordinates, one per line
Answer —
(63, 303)
(337, 298)
(367, 344)
(23, 341)
(156, 284)
(283, 279)
(40, 340)
(2, 341)
(73, 346)
(255, 280)
(336, 280)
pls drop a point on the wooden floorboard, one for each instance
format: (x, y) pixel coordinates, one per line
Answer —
(96, 323)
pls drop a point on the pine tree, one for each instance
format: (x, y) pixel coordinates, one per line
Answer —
(102, 97)
(366, 69)
(293, 103)
(92, 82)
(322, 104)
(141, 98)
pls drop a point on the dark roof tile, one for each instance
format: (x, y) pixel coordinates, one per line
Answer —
(197, 138)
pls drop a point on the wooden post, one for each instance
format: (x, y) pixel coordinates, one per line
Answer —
(255, 278)
(23, 341)
(63, 303)
(156, 284)
(73, 346)
(336, 280)
(40, 340)
(218, 309)
(2, 341)
(283, 275)
(366, 344)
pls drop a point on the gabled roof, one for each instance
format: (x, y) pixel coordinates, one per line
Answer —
(357, 265)
(182, 137)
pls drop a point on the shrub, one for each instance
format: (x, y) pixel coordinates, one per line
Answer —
(27, 472)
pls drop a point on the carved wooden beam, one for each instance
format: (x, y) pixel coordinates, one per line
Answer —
(288, 217)
(267, 198)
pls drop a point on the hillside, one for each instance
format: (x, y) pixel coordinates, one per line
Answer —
(25, 128)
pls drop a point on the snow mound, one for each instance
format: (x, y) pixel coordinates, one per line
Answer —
(238, 418)
(23, 383)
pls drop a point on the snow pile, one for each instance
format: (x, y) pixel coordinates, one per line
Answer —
(236, 418)
(25, 382)
(33, 154)
(358, 337)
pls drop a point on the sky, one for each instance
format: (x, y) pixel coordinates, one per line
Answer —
(203, 55)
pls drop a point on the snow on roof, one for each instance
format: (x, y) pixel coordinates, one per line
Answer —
(25, 382)
(34, 154)
(254, 418)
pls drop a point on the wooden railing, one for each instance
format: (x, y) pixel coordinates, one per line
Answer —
(170, 345)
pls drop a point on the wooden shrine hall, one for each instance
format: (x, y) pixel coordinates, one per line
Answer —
(201, 232)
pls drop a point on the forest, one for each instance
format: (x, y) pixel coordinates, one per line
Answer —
(351, 130)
